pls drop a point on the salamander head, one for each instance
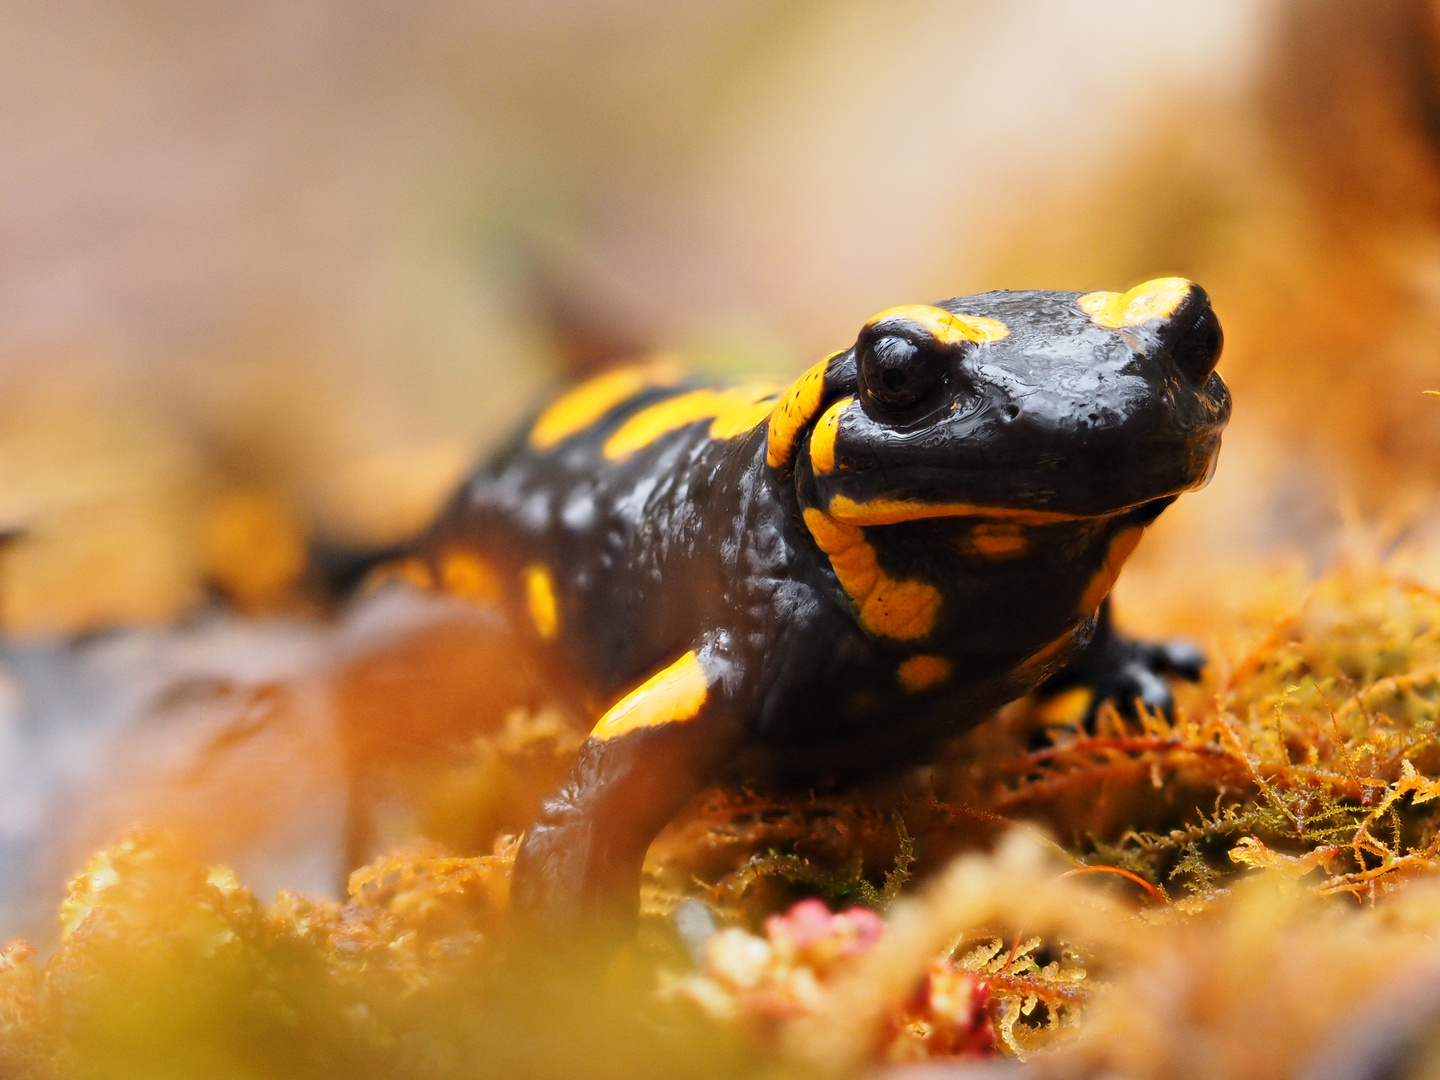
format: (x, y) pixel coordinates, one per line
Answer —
(1033, 407)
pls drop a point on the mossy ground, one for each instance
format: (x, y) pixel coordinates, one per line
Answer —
(1271, 853)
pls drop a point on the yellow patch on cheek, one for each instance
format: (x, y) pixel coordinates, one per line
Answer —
(996, 540)
(1146, 302)
(798, 406)
(822, 439)
(576, 410)
(903, 610)
(732, 411)
(465, 574)
(675, 694)
(945, 326)
(541, 602)
(920, 673)
(1121, 547)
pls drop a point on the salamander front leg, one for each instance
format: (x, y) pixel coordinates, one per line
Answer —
(1126, 670)
(577, 875)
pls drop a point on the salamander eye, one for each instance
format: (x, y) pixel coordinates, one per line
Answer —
(898, 373)
(1198, 351)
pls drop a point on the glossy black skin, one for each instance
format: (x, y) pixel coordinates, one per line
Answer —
(697, 543)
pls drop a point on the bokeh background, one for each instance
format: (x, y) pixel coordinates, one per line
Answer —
(273, 274)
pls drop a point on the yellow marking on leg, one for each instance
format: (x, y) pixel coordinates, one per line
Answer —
(945, 326)
(893, 511)
(822, 439)
(1065, 708)
(732, 411)
(1146, 302)
(413, 571)
(465, 574)
(540, 599)
(903, 610)
(675, 694)
(920, 673)
(1122, 544)
(798, 406)
(996, 540)
(577, 409)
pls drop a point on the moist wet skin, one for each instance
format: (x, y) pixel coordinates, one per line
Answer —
(815, 584)
(1061, 416)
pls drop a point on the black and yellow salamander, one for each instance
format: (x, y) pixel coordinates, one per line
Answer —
(819, 584)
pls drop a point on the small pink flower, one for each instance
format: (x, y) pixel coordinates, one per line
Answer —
(809, 933)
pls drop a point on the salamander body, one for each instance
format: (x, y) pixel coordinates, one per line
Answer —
(816, 584)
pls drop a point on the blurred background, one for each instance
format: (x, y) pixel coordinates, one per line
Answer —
(273, 274)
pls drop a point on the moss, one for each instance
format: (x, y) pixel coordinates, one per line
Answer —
(851, 936)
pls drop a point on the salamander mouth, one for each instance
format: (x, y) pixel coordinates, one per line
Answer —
(895, 511)
(1034, 493)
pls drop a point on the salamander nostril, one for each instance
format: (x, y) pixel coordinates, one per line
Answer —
(1010, 411)
(1198, 350)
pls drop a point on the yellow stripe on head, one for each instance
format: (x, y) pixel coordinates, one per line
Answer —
(674, 695)
(732, 411)
(822, 439)
(945, 326)
(798, 406)
(577, 409)
(1146, 302)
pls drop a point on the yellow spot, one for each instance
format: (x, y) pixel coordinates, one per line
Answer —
(798, 406)
(892, 511)
(467, 575)
(919, 673)
(1066, 707)
(413, 571)
(822, 439)
(577, 409)
(675, 694)
(1146, 302)
(1121, 546)
(254, 548)
(904, 610)
(540, 599)
(732, 411)
(997, 540)
(945, 326)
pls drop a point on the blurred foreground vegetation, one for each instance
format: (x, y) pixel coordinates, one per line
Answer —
(1301, 778)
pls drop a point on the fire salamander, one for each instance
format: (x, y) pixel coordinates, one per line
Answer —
(816, 584)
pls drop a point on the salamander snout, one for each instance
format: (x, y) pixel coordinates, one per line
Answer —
(1167, 317)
